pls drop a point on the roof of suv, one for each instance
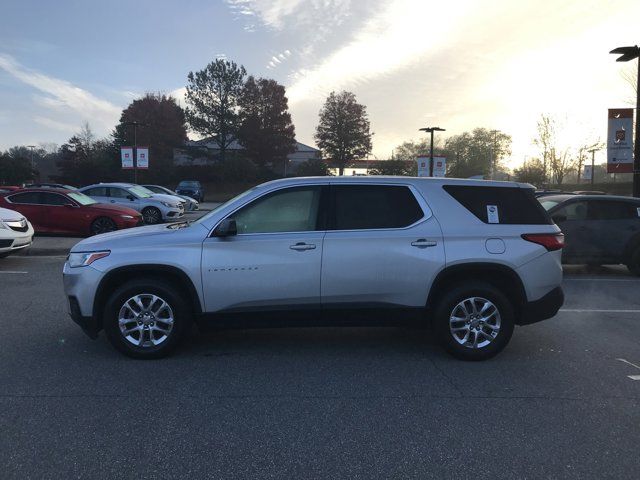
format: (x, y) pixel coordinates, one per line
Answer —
(579, 198)
(398, 179)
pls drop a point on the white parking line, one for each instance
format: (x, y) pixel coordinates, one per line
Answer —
(634, 377)
(587, 310)
(10, 271)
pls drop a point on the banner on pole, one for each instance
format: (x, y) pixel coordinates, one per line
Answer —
(142, 154)
(423, 166)
(588, 172)
(620, 141)
(126, 155)
(439, 166)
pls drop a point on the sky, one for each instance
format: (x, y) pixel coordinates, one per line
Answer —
(457, 64)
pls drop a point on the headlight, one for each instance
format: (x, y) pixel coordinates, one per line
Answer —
(2, 225)
(82, 259)
(128, 217)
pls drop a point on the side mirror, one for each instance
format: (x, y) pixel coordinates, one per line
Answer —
(69, 205)
(559, 218)
(131, 197)
(226, 228)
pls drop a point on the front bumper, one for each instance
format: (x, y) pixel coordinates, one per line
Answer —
(12, 241)
(80, 285)
(543, 308)
(173, 213)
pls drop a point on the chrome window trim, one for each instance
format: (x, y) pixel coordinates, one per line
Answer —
(426, 210)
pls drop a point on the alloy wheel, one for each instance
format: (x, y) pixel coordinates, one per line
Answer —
(145, 320)
(151, 216)
(474, 322)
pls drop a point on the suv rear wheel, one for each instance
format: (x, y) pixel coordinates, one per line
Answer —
(474, 321)
(146, 318)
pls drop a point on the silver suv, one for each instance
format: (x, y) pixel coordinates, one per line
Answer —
(154, 208)
(470, 258)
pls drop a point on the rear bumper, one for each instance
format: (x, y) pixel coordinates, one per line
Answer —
(543, 308)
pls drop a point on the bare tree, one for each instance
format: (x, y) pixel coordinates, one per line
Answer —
(630, 76)
(555, 159)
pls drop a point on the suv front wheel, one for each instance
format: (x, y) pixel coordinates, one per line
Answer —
(146, 318)
(474, 321)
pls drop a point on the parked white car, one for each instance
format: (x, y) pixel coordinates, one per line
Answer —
(16, 233)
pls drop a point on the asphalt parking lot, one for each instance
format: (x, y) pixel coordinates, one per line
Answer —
(562, 401)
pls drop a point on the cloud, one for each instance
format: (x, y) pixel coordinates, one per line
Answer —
(55, 124)
(393, 38)
(61, 94)
(278, 59)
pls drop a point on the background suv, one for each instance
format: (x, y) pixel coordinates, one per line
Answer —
(191, 188)
(599, 229)
(154, 208)
(472, 258)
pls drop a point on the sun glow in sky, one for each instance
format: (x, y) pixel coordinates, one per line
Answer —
(458, 64)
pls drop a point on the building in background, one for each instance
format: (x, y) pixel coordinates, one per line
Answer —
(206, 152)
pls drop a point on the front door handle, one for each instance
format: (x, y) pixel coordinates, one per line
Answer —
(112, 201)
(301, 246)
(424, 243)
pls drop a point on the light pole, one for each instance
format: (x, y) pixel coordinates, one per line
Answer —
(630, 53)
(31, 147)
(431, 130)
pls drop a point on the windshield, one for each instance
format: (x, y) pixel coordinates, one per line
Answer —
(81, 198)
(549, 204)
(188, 183)
(223, 205)
(140, 192)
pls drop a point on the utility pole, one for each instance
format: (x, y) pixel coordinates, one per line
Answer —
(630, 53)
(593, 156)
(431, 130)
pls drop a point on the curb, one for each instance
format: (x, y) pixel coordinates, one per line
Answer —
(42, 252)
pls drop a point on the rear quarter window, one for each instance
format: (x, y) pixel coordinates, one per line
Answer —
(515, 206)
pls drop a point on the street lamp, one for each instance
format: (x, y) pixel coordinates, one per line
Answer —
(592, 150)
(626, 54)
(431, 130)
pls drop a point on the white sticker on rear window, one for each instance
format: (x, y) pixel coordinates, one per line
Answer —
(492, 214)
(638, 210)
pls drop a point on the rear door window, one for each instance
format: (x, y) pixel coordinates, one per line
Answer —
(96, 192)
(359, 207)
(53, 199)
(506, 205)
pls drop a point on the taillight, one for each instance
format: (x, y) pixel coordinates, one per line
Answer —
(550, 241)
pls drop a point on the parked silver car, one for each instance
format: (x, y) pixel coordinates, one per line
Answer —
(473, 258)
(154, 208)
(191, 204)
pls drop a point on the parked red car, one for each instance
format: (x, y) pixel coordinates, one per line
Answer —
(53, 210)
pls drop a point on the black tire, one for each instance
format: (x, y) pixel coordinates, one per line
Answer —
(445, 309)
(145, 287)
(103, 225)
(151, 215)
(634, 262)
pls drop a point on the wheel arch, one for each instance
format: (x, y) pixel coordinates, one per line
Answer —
(499, 275)
(118, 276)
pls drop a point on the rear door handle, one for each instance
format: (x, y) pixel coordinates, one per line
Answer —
(424, 243)
(301, 246)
